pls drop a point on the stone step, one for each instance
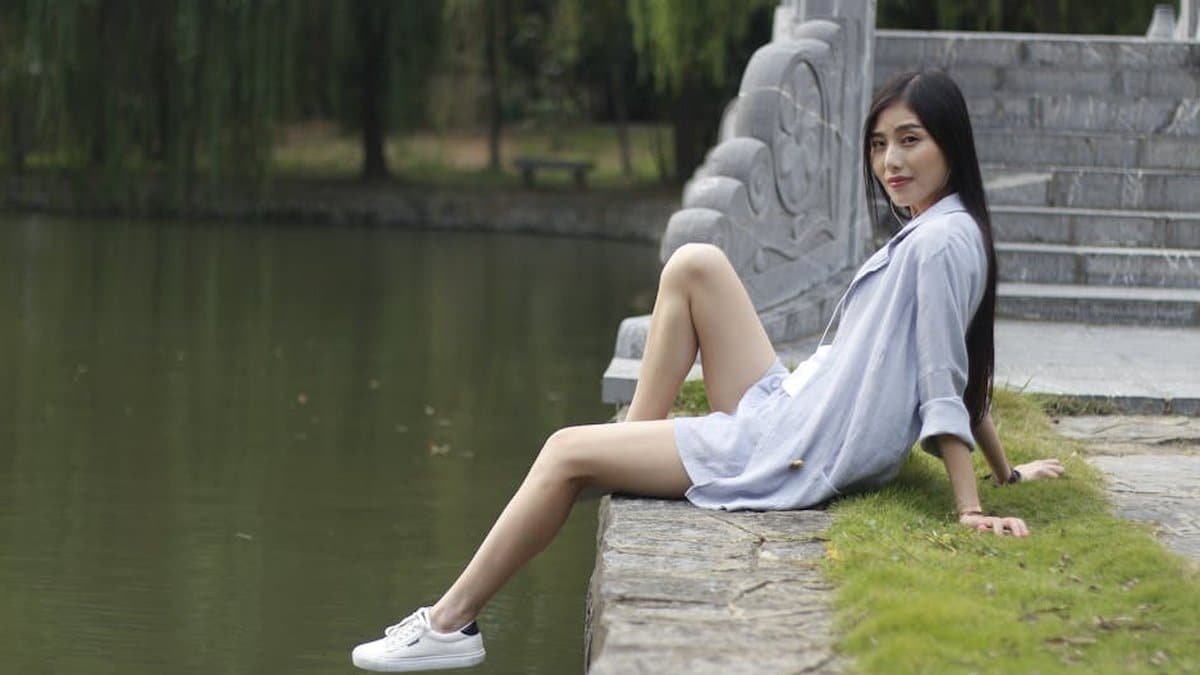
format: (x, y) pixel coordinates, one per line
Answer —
(1095, 227)
(1099, 304)
(1038, 148)
(903, 48)
(1171, 83)
(1098, 265)
(1086, 112)
(1094, 188)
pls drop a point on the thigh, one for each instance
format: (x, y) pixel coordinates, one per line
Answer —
(635, 457)
(734, 348)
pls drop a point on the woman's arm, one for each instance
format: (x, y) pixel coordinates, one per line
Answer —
(993, 452)
(957, 459)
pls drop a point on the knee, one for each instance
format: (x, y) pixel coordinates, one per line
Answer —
(561, 457)
(692, 264)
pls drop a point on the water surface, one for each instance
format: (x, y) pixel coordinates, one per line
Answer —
(237, 448)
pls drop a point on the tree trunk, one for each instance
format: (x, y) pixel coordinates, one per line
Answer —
(162, 144)
(492, 58)
(621, 110)
(695, 123)
(98, 151)
(17, 138)
(373, 22)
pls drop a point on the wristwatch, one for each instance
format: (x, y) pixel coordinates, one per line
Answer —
(1014, 477)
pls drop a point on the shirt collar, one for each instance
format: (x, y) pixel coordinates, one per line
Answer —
(948, 204)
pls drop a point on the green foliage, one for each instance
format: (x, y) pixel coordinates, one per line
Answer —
(692, 399)
(1031, 16)
(919, 593)
(682, 42)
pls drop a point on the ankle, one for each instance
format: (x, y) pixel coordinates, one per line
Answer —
(445, 619)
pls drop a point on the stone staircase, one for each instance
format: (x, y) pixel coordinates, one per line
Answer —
(1091, 152)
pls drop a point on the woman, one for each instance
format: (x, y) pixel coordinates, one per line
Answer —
(911, 361)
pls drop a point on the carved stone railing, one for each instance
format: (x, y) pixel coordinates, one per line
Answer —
(781, 193)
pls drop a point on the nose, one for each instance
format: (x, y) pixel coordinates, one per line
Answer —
(891, 157)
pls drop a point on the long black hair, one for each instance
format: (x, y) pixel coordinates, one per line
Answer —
(939, 105)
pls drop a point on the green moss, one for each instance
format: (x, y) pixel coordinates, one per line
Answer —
(916, 592)
(919, 593)
(692, 399)
(1073, 405)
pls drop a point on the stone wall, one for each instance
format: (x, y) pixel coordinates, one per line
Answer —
(637, 216)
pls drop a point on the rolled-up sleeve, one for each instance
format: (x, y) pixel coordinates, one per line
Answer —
(944, 305)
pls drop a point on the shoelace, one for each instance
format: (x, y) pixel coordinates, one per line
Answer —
(414, 625)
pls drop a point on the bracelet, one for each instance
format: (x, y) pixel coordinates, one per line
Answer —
(975, 511)
(1014, 477)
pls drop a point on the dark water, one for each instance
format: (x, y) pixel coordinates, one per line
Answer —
(242, 449)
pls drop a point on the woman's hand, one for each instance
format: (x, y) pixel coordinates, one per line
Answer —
(1001, 526)
(1041, 468)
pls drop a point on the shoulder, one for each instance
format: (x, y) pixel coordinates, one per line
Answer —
(953, 231)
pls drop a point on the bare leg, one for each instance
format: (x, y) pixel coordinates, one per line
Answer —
(639, 458)
(701, 305)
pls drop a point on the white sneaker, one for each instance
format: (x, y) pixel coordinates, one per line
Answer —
(413, 644)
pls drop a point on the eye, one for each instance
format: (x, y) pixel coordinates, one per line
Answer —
(909, 139)
(877, 144)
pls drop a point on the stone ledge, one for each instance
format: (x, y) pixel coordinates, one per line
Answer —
(678, 589)
(640, 216)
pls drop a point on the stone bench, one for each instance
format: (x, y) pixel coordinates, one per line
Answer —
(529, 167)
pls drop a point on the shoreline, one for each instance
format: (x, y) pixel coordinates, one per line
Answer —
(638, 215)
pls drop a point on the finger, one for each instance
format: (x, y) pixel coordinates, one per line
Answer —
(998, 526)
(1018, 527)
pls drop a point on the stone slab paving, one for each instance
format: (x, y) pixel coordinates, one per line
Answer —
(678, 589)
(1153, 469)
(1136, 369)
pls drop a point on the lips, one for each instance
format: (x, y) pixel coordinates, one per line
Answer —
(898, 181)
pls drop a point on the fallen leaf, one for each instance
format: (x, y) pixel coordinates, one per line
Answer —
(302, 398)
(429, 410)
(401, 429)
(435, 449)
(372, 384)
(243, 535)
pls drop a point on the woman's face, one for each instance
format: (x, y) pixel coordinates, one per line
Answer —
(906, 160)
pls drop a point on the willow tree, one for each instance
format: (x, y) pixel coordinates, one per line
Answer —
(594, 39)
(187, 86)
(693, 50)
(368, 64)
(1131, 17)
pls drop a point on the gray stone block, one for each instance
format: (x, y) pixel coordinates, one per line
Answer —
(1023, 148)
(897, 48)
(1017, 189)
(1139, 189)
(1108, 114)
(1110, 305)
(1176, 83)
(1098, 266)
(942, 49)
(1095, 227)
(1059, 79)
(1171, 152)
(677, 589)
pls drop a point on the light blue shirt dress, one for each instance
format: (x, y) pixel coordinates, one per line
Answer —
(894, 374)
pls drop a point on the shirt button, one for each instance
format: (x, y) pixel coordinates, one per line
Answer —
(796, 464)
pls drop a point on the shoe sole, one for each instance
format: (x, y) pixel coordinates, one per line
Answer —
(426, 663)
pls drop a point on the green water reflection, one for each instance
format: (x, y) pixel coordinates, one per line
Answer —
(242, 449)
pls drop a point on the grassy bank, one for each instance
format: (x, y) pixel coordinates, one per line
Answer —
(919, 593)
(459, 158)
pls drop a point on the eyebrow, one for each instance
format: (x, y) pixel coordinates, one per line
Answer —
(902, 127)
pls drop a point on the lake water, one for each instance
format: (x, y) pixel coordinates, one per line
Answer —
(238, 448)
